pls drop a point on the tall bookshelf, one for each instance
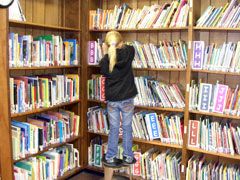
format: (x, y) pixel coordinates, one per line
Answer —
(183, 77)
(42, 18)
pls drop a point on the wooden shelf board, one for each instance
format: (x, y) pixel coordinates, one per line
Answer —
(43, 109)
(40, 25)
(146, 69)
(216, 72)
(229, 156)
(142, 30)
(215, 29)
(70, 173)
(145, 107)
(48, 148)
(42, 67)
(215, 114)
(154, 142)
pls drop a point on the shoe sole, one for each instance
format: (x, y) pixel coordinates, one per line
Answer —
(112, 166)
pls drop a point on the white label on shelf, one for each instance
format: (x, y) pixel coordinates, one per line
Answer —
(187, 88)
(191, 3)
(182, 168)
(189, 44)
(185, 129)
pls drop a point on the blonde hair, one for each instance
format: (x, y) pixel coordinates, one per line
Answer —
(113, 39)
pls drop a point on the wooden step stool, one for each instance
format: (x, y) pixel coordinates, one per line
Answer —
(108, 172)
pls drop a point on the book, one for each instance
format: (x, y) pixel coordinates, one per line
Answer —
(214, 136)
(218, 98)
(155, 16)
(96, 87)
(30, 93)
(48, 165)
(47, 50)
(224, 57)
(165, 55)
(199, 167)
(226, 16)
(40, 131)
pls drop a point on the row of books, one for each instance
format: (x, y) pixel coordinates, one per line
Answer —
(46, 50)
(146, 125)
(28, 93)
(155, 93)
(152, 164)
(218, 98)
(49, 165)
(200, 168)
(174, 14)
(224, 57)
(40, 131)
(96, 87)
(167, 55)
(225, 16)
(214, 136)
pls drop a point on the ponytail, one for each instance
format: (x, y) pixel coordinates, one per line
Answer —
(113, 39)
(112, 53)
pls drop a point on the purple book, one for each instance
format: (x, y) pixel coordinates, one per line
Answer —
(220, 98)
(204, 97)
(91, 55)
(198, 55)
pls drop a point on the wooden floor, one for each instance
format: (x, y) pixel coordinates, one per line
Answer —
(93, 176)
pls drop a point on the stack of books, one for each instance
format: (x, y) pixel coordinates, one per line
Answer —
(218, 98)
(97, 119)
(47, 50)
(165, 55)
(49, 165)
(214, 57)
(40, 131)
(214, 136)
(96, 87)
(152, 164)
(155, 93)
(200, 168)
(146, 125)
(174, 14)
(28, 93)
(225, 16)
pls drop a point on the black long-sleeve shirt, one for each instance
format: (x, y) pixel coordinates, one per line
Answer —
(119, 83)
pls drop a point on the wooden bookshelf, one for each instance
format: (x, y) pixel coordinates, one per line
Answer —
(215, 29)
(43, 109)
(216, 72)
(42, 68)
(145, 107)
(70, 140)
(215, 114)
(14, 23)
(144, 141)
(228, 156)
(63, 18)
(143, 30)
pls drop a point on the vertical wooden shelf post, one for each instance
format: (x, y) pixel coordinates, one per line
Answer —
(5, 128)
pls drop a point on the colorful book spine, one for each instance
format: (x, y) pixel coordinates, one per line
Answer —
(49, 165)
(47, 50)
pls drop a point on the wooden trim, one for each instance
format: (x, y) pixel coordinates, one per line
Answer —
(5, 128)
(141, 30)
(214, 29)
(215, 114)
(216, 72)
(42, 67)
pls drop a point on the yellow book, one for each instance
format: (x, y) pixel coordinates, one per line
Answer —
(170, 13)
(75, 77)
(220, 15)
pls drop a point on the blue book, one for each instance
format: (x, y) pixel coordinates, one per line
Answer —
(152, 126)
(73, 53)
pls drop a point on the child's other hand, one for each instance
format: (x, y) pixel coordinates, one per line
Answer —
(105, 48)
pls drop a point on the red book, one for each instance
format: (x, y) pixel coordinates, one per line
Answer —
(194, 128)
(102, 89)
(137, 165)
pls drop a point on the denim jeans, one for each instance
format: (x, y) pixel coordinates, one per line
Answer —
(126, 107)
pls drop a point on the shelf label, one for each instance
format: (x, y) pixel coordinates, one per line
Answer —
(189, 44)
(188, 87)
(185, 129)
(182, 168)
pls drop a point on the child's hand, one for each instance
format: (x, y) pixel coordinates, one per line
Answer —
(105, 48)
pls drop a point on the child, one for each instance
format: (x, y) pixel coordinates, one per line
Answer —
(116, 66)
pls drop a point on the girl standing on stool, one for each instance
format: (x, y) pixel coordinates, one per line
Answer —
(120, 90)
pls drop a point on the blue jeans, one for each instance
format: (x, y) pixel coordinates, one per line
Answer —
(126, 107)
